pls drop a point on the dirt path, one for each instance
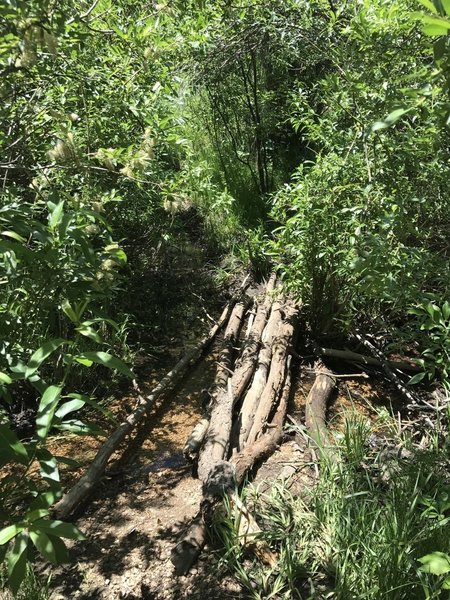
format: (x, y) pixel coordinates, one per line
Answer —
(149, 496)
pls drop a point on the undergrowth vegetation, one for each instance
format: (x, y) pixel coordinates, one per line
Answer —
(152, 152)
(375, 526)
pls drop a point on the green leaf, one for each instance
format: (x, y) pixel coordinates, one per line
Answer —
(38, 357)
(428, 4)
(10, 445)
(68, 310)
(46, 410)
(4, 378)
(416, 378)
(107, 360)
(9, 532)
(446, 6)
(48, 465)
(59, 529)
(17, 562)
(446, 310)
(436, 563)
(89, 332)
(51, 547)
(390, 120)
(56, 214)
(69, 407)
(13, 235)
(44, 545)
(434, 25)
(33, 515)
(45, 499)
(80, 427)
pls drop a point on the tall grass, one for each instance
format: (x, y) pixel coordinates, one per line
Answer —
(359, 534)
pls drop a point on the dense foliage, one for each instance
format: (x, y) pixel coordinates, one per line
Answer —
(305, 134)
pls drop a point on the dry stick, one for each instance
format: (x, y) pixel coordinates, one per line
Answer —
(218, 435)
(316, 406)
(348, 355)
(387, 369)
(84, 487)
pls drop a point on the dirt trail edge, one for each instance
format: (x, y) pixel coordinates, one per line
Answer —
(86, 484)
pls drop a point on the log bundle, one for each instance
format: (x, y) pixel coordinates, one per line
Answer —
(249, 403)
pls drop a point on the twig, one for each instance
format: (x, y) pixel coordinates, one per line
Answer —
(222, 366)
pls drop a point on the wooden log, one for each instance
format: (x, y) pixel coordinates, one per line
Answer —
(217, 437)
(86, 484)
(245, 365)
(246, 415)
(316, 403)
(277, 372)
(268, 442)
(195, 440)
(230, 474)
(244, 368)
(316, 407)
(350, 356)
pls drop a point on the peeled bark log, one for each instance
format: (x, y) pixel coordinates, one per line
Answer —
(218, 435)
(246, 415)
(316, 407)
(277, 373)
(84, 487)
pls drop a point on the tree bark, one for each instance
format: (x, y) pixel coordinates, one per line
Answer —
(217, 437)
(316, 407)
(348, 355)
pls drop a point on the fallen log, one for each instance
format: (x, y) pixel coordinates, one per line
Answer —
(268, 442)
(277, 372)
(350, 356)
(246, 415)
(243, 370)
(217, 438)
(245, 365)
(223, 480)
(84, 487)
(316, 406)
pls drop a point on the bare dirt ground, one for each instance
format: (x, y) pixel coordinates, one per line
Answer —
(149, 496)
